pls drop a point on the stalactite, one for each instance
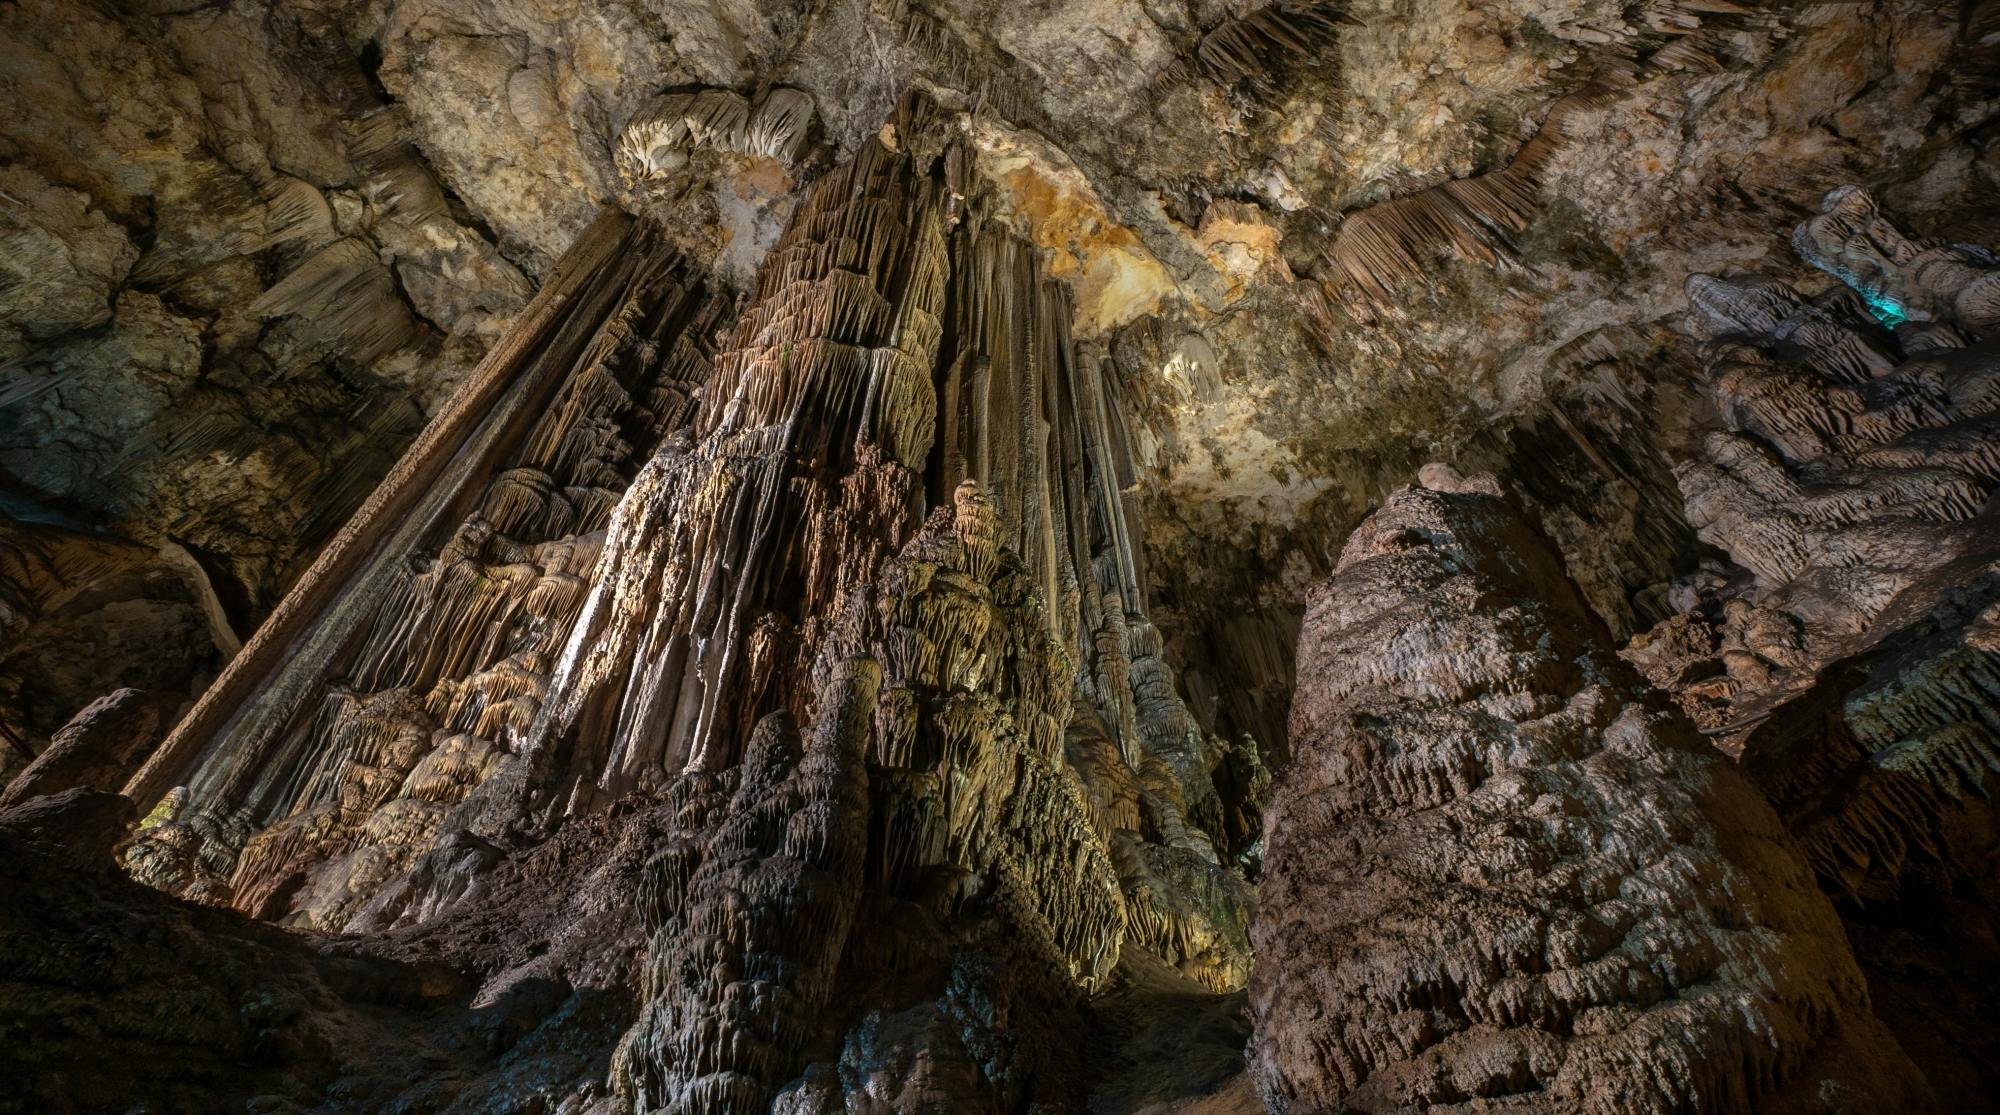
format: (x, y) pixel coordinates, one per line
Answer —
(656, 142)
(951, 59)
(348, 299)
(462, 638)
(725, 589)
(1383, 246)
(1380, 248)
(835, 348)
(1261, 50)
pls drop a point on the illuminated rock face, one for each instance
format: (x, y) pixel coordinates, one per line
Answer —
(810, 661)
(867, 621)
(1497, 870)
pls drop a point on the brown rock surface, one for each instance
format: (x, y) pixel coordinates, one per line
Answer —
(831, 644)
(98, 749)
(1496, 872)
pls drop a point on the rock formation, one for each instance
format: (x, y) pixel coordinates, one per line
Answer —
(1495, 870)
(956, 724)
(99, 748)
(84, 614)
(1851, 486)
(1849, 655)
(715, 555)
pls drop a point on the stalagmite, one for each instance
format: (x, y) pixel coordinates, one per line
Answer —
(742, 556)
(1497, 874)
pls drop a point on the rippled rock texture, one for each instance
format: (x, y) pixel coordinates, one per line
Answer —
(1497, 870)
(1848, 652)
(753, 550)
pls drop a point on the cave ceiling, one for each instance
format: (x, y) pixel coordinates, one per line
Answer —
(1319, 251)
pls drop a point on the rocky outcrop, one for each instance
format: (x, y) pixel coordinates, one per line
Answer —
(117, 996)
(1850, 487)
(1497, 872)
(1848, 652)
(99, 748)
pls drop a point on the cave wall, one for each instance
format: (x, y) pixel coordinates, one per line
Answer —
(857, 475)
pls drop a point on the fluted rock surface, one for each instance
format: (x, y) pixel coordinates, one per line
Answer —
(1497, 873)
(1849, 653)
(850, 604)
(348, 745)
(1852, 487)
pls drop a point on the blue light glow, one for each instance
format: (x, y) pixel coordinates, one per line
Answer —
(1886, 309)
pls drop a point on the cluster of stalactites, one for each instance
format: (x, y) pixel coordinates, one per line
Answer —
(1037, 424)
(457, 651)
(735, 546)
(1891, 787)
(1382, 248)
(932, 754)
(656, 142)
(1263, 50)
(1837, 443)
(763, 565)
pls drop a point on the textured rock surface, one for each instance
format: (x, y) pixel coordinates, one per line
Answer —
(99, 749)
(1851, 490)
(976, 389)
(954, 726)
(1211, 179)
(203, 1010)
(1848, 653)
(231, 293)
(1496, 871)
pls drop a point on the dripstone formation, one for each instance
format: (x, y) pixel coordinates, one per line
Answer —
(1498, 871)
(952, 726)
(1848, 654)
(715, 556)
